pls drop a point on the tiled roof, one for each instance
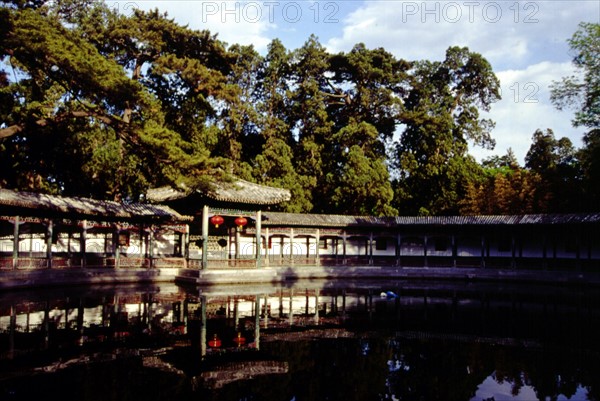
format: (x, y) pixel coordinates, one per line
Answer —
(240, 191)
(164, 194)
(323, 220)
(85, 206)
(237, 191)
(502, 219)
(327, 220)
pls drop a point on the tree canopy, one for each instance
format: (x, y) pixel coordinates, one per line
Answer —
(582, 93)
(105, 105)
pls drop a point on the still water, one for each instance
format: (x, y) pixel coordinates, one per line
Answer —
(304, 341)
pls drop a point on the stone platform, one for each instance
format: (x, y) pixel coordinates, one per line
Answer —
(37, 278)
(278, 275)
(287, 275)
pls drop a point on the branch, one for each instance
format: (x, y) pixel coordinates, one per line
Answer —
(344, 98)
(16, 128)
(10, 131)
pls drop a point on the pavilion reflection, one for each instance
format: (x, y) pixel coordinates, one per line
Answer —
(469, 340)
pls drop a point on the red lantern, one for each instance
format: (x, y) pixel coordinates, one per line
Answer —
(239, 340)
(216, 220)
(241, 222)
(215, 342)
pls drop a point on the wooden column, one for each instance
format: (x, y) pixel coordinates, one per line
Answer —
(49, 234)
(115, 246)
(308, 247)
(203, 323)
(230, 242)
(292, 246)
(237, 243)
(205, 237)
(545, 251)
(454, 250)
(371, 248)
(267, 249)
(16, 243)
(236, 313)
(186, 243)
(82, 236)
(317, 306)
(337, 244)
(578, 249)
(306, 303)
(344, 247)
(318, 244)
(12, 331)
(589, 236)
(425, 241)
(141, 244)
(291, 314)
(519, 244)
(482, 251)
(257, 322)
(267, 311)
(281, 316)
(281, 246)
(151, 245)
(513, 250)
(399, 250)
(258, 238)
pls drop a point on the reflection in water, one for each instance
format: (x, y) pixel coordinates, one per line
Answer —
(493, 388)
(363, 341)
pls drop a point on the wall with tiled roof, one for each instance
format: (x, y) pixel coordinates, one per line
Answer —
(326, 220)
(84, 206)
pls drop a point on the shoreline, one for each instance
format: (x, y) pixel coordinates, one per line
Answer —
(286, 275)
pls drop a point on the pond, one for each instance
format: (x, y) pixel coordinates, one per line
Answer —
(393, 340)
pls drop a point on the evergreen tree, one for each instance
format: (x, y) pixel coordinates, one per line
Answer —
(238, 138)
(96, 103)
(589, 156)
(373, 83)
(106, 105)
(360, 179)
(555, 161)
(441, 114)
(312, 127)
(583, 94)
(275, 164)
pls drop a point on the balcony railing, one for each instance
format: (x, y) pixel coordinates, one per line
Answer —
(245, 262)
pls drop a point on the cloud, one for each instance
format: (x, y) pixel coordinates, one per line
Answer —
(246, 23)
(525, 107)
(424, 30)
(508, 34)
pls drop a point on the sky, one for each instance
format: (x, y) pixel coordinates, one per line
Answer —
(525, 42)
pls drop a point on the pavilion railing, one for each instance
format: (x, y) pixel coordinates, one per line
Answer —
(77, 262)
(28, 262)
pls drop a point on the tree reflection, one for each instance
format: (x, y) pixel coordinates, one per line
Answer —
(303, 343)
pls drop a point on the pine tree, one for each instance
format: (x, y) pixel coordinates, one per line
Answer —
(441, 115)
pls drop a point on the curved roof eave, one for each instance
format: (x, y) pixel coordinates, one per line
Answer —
(236, 191)
(86, 207)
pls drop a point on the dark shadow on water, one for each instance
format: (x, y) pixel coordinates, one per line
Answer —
(287, 278)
